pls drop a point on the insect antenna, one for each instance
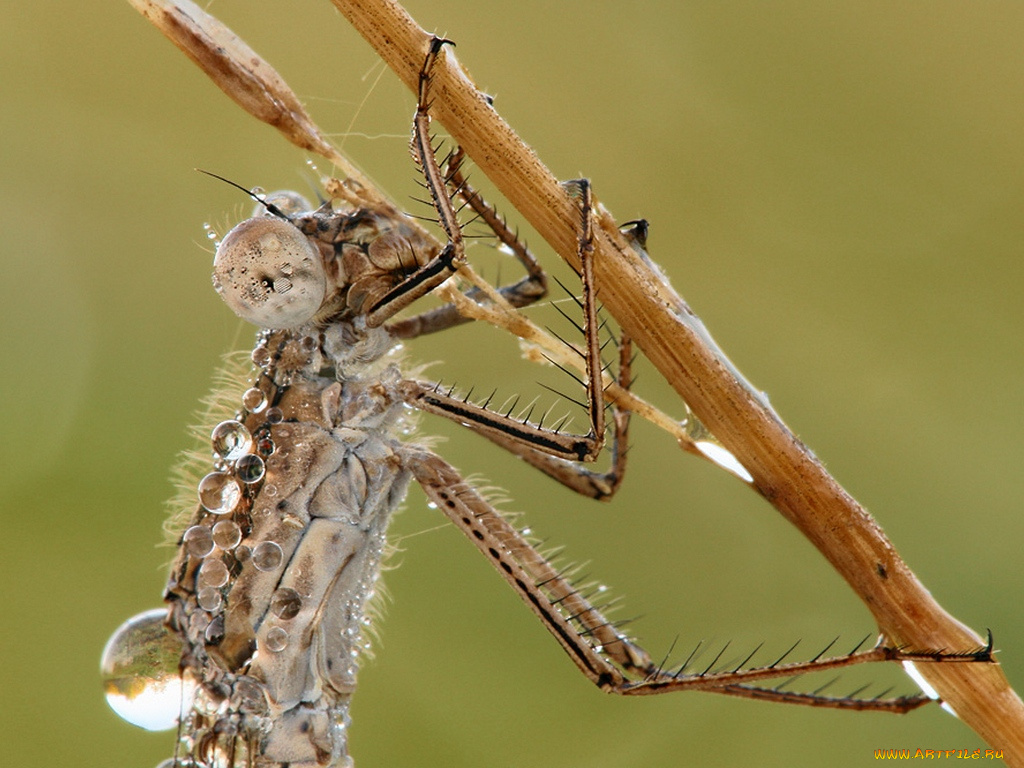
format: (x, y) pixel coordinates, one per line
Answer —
(261, 199)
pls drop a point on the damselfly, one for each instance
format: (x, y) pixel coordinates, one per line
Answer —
(268, 597)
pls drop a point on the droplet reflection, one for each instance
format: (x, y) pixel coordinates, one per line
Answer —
(250, 468)
(231, 440)
(253, 400)
(139, 667)
(198, 541)
(285, 603)
(227, 534)
(219, 493)
(276, 639)
(267, 556)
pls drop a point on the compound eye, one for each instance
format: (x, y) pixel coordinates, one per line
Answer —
(270, 274)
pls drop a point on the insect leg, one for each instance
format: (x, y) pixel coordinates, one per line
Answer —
(530, 443)
(442, 266)
(576, 624)
(599, 650)
(520, 294)
(552, 442)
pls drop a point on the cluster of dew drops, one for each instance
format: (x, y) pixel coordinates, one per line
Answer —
(140, 661)
(239, 470)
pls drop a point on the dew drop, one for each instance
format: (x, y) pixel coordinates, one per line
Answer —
(250, 468)
(213, 573)
(265, 446)
(253, 400)
(211, 233)
(231, 440)
(261, 356)
(219, 493)
(276, 639)
(227, 534)
(267, 556)
(209, 599)
(285, 603)
(275, 415)
(198, 541)
(139, 667)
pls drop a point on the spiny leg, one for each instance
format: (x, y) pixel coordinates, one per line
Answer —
(526, 291)
(502, 428)
(537, 581)
(584, 481)
(494, 425)
(600, 651)
(444, 265)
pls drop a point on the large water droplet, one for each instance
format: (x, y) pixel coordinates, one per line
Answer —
(267, 556)
(219, 493)
(287, 202)
(140, 672)
(231, 440)
(250, 694)
(250, 468)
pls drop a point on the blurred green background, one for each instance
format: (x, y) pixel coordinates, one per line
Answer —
(835, 188)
